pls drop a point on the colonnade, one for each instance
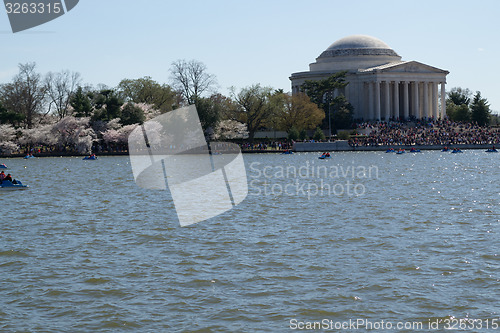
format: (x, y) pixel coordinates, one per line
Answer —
(385, 99)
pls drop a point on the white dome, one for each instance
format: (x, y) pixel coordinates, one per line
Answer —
(358, 45)
(358, 42)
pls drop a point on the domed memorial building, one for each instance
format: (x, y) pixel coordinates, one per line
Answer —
(380, 86)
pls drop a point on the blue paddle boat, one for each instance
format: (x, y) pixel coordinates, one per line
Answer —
(287, 152)
(29, 156)
(7, 185)
(390, 150)
(3, 166)
(91, 157)
(491, 150)
(456, 151)
(400, 151)
(324, 156)
(414, 150)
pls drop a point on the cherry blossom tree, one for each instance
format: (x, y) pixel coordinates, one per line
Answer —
(231, 129)
(7, 137)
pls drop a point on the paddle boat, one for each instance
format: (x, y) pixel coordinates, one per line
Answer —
(29, 156)
(492, 150)
(3, 166)
(91, 157)
(7, 185)
(445, 149)
(456, 150)
(287, 152)
(414, 150)
(325, 156)
(390, 150)
(400, 151)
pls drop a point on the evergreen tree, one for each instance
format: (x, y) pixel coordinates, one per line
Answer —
(81, 103)
(132, 114)
(480, 110)
(303, 134)
(318, 134)
(293, 134)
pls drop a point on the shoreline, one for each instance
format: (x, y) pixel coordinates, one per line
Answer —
(298, 147)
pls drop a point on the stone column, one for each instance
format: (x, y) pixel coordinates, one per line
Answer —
(387, 98)
(426, 99)
(435, 109)
(416, 111)
(443, 100)
(377, 100)
(396, 100)
(406, 101)
(371, 101)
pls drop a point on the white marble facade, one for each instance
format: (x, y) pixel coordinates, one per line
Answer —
(381, 85)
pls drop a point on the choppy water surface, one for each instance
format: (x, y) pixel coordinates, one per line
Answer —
(86, 250)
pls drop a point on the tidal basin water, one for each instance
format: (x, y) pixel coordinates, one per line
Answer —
(86, 250)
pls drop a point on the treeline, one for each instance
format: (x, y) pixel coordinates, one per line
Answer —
(57, 111)
(34, 107)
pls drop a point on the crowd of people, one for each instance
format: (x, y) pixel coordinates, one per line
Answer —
(424, 132)
(274, 145)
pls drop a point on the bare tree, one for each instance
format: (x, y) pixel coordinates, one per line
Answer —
(25, 95)
(191, 79)
(60, 89)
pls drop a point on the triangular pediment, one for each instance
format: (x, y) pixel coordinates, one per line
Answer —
(407, 67)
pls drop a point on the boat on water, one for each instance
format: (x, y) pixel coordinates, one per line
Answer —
(414, 150)
(3, 166)
(491, 150)
(287, 152)
(400, 151)
(7, 185)
(445, 149)
(324, 156)
(390, 150)
(29, 156)
(91, 157)
(456, 150)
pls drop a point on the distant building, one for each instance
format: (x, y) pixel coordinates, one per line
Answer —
(381, 85)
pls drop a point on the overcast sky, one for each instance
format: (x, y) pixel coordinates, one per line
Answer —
(247, 42)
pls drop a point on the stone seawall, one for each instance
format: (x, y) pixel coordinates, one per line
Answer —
(342, 145)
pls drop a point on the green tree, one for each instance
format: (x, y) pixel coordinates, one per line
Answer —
(458, 112)
(255, 106)
(303, 134)
(480, 110)
(320, 91)
(81, 103)
(209, 111)
(132, 114)
(318, 134)
(9, 117)
(296, 111)
(107, 105)
(459, 96)
(146, 90)
(342, 113)
(457, 104)
(293, 134)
